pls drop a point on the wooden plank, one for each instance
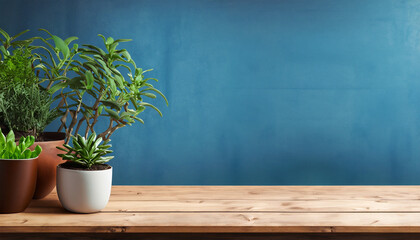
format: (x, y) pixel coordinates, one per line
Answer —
(265, 192)
(232, 209)
(402, 206)
(211, 222)
(293, 193)
(209, 236)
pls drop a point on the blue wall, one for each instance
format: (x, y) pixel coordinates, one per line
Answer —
(261, 92)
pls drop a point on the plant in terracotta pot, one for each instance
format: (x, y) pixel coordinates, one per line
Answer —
(101, 92)
(18, 170)
(26, 106)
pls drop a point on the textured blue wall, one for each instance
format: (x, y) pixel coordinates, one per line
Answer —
(261, 92)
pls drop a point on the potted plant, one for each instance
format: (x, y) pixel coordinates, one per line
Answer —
(26, 102)
(110, 96)
(84, 181)
(17, 172)
(115, 97)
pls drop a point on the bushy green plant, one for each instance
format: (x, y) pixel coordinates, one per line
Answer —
(87, 152)
(10, 150)
(26, 109)
(17, 69)
(25, 106)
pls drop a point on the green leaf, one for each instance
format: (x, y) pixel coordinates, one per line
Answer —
(62, 46)
(140, 109)
(5, 35)
(111, 104)
(21, 43)
(11, 146)
(156, 91)
(10, 137)
(70, 39)
(112, 113)
(120, 80)
(112, 47)
(26, 154)
(2, 139)
(19, 34)
(102, 36)
(112, 85)
(76, 83)
(29, 141)
(89, 80)
(86, 57)
(99, 50)
(126, 55)
(122, 40)
(150, 105)
(41, 29)
(42, 66)
(109, 41)
(106, 68)
(4, 51)
(150, 95)
(100, 108)
(139, 119)
(38, 150)
(57, 87)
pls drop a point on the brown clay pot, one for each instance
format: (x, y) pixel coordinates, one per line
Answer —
(47, 162)
(17, 184)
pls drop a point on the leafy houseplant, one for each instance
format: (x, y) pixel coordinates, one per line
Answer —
(99, 77)
(99, 90)
(18, 172)
(85, 167)
(24, 107)
(26, 71)
(20, 60)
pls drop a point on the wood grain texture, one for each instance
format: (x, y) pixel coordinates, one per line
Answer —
(209, 236)
(232, 209)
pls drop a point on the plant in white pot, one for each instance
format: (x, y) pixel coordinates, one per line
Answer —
(98, 91)
(84, 181)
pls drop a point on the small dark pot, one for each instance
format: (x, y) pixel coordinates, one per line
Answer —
(17, 184)
(48, 162)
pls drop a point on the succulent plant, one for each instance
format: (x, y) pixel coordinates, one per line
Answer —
(10, 150)
(87, 152)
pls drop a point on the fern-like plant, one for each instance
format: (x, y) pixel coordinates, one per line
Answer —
(17, 68)
(87, 152)
(26, 109)
(10, 150)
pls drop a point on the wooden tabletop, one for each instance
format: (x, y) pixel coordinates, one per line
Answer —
(232, 209)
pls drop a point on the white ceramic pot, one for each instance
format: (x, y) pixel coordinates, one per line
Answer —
(83, 191)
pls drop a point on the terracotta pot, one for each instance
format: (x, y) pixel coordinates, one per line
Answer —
(17, 184)
(48, 162)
